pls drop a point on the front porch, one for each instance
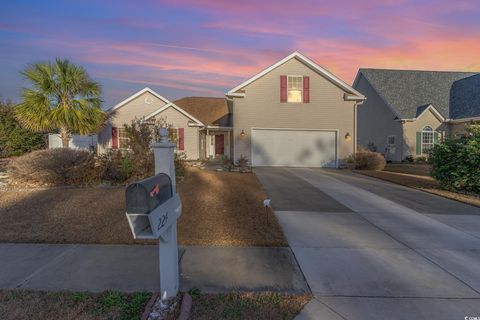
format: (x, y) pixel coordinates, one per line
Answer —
(215, 142)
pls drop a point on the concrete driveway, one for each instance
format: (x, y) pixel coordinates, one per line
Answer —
(374, 250)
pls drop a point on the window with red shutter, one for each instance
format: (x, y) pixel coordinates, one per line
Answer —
(181, 139)
(114, 137)
(283, 88)
(306, 89)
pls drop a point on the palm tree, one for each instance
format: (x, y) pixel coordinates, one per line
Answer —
(63, 98)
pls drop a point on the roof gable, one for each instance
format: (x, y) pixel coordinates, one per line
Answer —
(172, 105)
(404, 91)
(134, 96)
(354, 94)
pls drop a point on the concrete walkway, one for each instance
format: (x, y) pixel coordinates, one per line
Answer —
(135, 268)
(374, 250)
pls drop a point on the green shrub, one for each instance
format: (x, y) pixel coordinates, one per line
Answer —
(62, 166)
(14, 139)
(456, 161)
(367, 160)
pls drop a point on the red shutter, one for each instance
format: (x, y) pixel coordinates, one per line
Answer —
(181, 139)
(283, 88)
(114, 137)
(306, 89)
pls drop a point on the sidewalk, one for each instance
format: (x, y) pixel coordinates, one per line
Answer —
(135, 268)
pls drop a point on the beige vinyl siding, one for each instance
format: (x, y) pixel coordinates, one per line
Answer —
(457, 129)
(376, 121)
(137, 108)
(191, 134)
(261, 108)
(410, 129)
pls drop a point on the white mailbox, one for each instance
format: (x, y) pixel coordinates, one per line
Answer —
(153, 207)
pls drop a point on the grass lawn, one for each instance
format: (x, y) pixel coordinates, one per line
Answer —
(415, 176)
(33, 305)
(247, 306)
(219, 208)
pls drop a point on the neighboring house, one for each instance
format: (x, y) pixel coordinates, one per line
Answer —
(77, 141)
(294, 113)
(200, 126)
(407, 112)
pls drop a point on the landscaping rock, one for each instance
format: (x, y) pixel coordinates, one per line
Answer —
(164, 309)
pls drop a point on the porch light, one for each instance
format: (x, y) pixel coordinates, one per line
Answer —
(348, 137)
(243, 134)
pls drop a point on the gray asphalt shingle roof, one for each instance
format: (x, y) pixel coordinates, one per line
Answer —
(408, 92)
(465, 98)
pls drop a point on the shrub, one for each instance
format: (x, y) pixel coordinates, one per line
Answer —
(456, 161)
(180, 164)
(61, 166)
(421, 159)
(114, 166)
(14, 139)
(410, 158)
(367, 160)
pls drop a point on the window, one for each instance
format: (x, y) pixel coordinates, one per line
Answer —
(391, 141)
(122, 138)
(427, 139)
(173, 135)
(391, 144)
(294, 88)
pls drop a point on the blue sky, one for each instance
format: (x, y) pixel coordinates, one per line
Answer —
(205, 47)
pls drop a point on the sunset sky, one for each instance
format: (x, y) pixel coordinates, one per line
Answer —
(205, 47)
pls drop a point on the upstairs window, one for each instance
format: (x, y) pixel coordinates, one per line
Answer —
(294, 89)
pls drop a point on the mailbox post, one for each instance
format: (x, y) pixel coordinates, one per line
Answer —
(153, 207)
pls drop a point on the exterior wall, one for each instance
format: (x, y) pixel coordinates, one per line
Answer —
(76, 142)
(191, 134)
(410, 129)
(136, 108)
(376, 121)
(261, 107)
(457, 129)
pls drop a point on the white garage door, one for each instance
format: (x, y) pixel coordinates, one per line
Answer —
(294, 148)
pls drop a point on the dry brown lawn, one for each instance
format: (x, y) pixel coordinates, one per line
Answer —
(421, 182)
(219, 208)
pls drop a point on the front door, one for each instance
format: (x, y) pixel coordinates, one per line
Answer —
(219, 144)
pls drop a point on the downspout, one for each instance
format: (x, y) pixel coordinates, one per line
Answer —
(355, 127)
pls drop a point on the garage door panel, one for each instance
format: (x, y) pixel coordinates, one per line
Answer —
(296, 148)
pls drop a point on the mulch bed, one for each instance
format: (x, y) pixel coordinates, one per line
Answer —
(219, 208)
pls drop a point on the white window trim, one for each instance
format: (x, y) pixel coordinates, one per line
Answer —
(301, 94)
(118, 138)
(394, 140)
(421, 138)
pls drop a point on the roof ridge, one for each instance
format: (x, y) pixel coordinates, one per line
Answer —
(417, 70)
(189, 97)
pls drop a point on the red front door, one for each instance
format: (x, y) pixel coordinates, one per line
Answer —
(219, 143)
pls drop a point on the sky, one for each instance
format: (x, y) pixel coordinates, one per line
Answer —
(206, 47)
